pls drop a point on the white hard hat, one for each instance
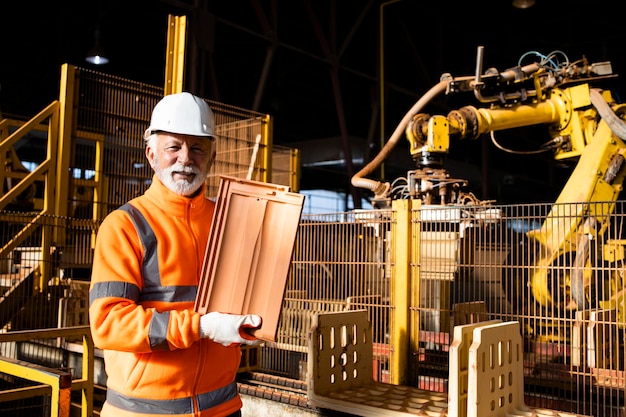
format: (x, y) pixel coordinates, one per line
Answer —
(182, 113)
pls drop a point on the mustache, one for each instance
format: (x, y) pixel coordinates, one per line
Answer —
(185, 169)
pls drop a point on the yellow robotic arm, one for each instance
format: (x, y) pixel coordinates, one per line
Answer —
(585, 125)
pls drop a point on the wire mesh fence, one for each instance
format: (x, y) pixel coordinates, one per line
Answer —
(112, 114)
(543, 266)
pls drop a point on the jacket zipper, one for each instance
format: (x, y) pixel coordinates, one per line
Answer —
(196, 407)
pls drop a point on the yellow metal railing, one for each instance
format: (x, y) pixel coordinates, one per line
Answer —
(46, 170)
(57, 385)
(56, 380)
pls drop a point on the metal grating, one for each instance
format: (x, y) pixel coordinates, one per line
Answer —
(471, 263)
(285, 167)
(112, 114)
(474, 263)
(39, 281)
(240, 149)
(338, 264)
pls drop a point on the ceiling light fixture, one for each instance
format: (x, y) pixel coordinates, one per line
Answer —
(96, 54)
(523, 4)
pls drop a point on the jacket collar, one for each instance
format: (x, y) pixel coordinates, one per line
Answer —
(177, 205)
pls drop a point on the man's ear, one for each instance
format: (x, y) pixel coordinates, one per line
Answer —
(150, 155)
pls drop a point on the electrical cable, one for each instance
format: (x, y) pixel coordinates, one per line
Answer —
(547, 146)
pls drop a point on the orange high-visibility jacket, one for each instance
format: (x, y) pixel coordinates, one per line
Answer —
(147, 264)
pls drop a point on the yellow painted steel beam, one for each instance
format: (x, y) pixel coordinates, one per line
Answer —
(267, 142)
(294, 170)
(403, 290)
(86, 383)
(59, 381)
(24, 370)
(15, 394)
(64, 148)
(175, 54)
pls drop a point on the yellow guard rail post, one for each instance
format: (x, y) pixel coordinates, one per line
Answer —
(175, 55)
(53, 378)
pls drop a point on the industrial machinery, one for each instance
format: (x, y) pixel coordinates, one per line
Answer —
(585, 127)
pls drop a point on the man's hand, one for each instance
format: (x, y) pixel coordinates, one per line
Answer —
(230, 329)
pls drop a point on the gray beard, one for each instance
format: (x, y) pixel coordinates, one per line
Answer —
(180, 187)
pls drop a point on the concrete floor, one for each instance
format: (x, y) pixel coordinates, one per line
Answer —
(256, 407)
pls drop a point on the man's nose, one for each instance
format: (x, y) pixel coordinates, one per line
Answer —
(184, 155)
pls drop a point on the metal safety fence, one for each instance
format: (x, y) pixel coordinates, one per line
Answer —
(421, 270)
(112, 114)
(418, 271)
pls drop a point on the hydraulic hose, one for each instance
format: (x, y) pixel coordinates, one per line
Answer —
(616, 124)
(379, 188)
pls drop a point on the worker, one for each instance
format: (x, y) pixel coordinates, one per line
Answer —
(161, 357)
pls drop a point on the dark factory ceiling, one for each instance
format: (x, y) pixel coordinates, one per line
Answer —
(280, 57)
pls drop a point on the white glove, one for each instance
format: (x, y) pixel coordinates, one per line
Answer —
(230, 329)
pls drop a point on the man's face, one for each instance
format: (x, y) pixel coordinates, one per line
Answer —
(181, 162)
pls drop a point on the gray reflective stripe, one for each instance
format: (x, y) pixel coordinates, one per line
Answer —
(114, 289)
(131, 292)
(142, 405)
(150, 267)
(175, 406)
(170, 294)
(153, 291)
(158, 331)
(219, 396)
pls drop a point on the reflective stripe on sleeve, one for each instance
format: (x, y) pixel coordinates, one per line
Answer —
(114, 289)
(171, 294)
(178, 293)
(158, 331)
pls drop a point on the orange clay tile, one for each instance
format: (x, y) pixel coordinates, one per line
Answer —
(249, 251)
